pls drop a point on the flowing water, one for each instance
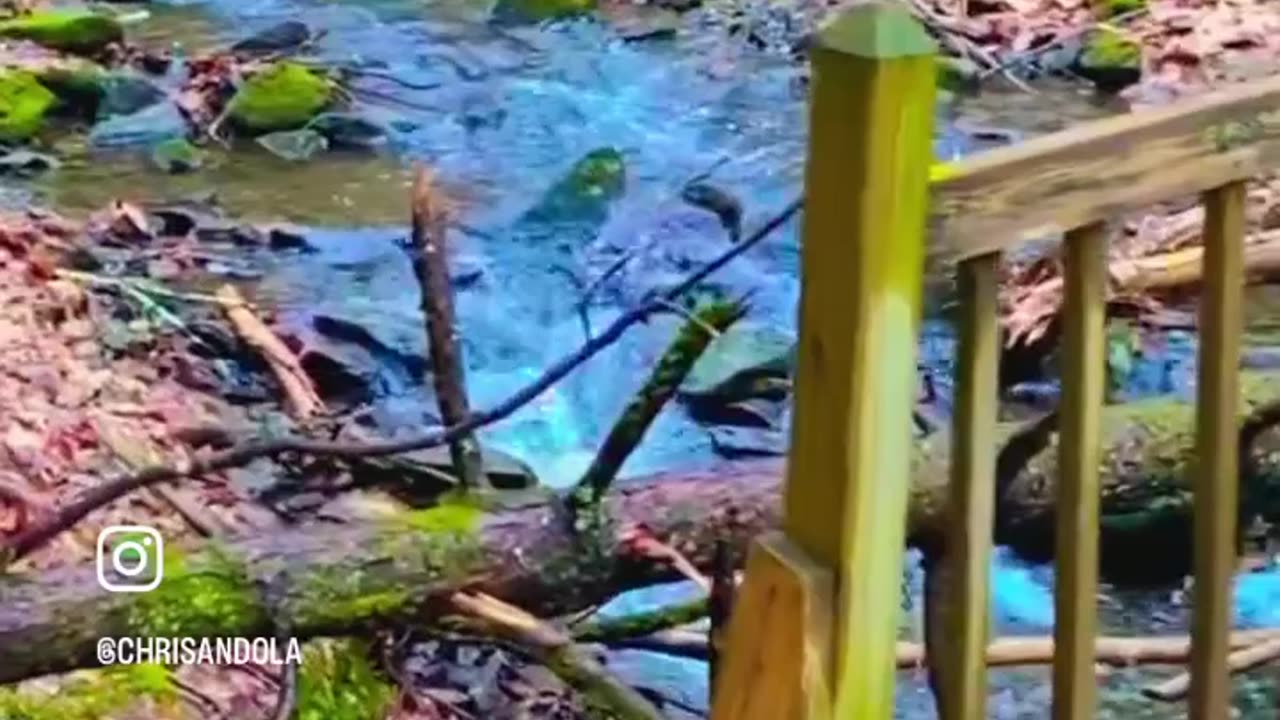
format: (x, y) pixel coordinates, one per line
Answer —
(507, 112)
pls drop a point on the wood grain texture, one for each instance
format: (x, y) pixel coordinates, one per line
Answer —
(778, 660)
(971, 501)
(1000, 199)
(1079, 490)
(1216, 481)
(871, 126)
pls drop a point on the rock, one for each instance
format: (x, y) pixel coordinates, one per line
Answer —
(77, 32)
(177, 156)
(23, 163)
(1110, 60)
(24, 102)
(584, 194)
(284, 96)
(126, 93)
(739, 442)
(282, 238)
(348, 131)
(151, 126)
(749, 363)
(528, 12)
(294, 145)
(281, 36)
(79, 89)
(638, 23)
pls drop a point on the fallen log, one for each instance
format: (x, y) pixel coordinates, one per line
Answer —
(342, 578)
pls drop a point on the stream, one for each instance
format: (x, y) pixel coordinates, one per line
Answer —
(507, 113)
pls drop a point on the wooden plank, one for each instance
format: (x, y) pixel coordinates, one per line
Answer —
(1080, 423)
(963, 676)
(871, 116)
(1216, 483)
(998, 200)
(778, 655)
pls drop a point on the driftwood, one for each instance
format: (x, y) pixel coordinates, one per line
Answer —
(1242, 659)
(346, 577)
(300, 393)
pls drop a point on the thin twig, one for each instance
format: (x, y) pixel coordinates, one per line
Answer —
(253, 448)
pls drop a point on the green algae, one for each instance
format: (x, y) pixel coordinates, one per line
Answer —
(81, 33)
(536, 11)
(339, 681)
(284, 96)
(24, 103)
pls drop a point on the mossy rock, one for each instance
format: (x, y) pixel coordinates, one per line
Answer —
(177, 156)
(81, 33)
(24, 103)
(1111, 60)
(517, 12)
(284, 96)
(1111, 8)
(79, 89)
(584, 193)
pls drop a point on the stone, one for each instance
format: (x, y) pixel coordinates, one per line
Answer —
(284, 96)
(281, 36)
(177, 155)
(348, 131)
(1110, 60)
(585, 193)
(24, 103)
(23, 163)
(740, 442)
(77, 32)
(294, 145)
(125, 94)
(529, 12)
(151, 126)
(958, 75)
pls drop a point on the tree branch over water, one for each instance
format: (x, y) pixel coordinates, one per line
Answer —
(51, 525)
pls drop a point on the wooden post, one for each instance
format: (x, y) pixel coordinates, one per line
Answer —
(871, 126)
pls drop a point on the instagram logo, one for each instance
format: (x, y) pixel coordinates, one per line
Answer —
(130, 558)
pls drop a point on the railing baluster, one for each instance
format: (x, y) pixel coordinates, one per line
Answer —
(972, 498)
(1076, 541)
(1216, 483)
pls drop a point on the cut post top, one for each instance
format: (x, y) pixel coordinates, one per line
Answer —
(876, 30)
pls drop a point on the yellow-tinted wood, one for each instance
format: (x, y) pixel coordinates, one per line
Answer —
(863, 255)
(779, 639)
(971, 508)
(1216, 482)
(999, 199)
(1079, 428)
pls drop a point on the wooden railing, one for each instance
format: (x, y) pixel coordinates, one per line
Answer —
(813, 633)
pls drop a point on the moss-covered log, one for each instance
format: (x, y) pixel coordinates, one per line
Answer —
(328, 579)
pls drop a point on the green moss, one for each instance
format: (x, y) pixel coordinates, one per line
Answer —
(93, 696)
(211, 595)
(335, 597)
(79, 89)
(177, 155)
(584, 193)
(337, 681)
(284, 96)
(455, 516)
(24, 102)
(600, 173)
(83, 33)
(959, 75)
(535, 11)
(1111, 49)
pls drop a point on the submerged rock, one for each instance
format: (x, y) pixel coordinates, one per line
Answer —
(1110, 60)
(24, 163)
(584, 194)
(177, 156)
(348, 131)
(82, 33)
(151, 126)
(284, 96)
(24, 102)
(523, 12)
(294, 145)
(281, 36)
(78, 88)
(742, 379)
(126, 93)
